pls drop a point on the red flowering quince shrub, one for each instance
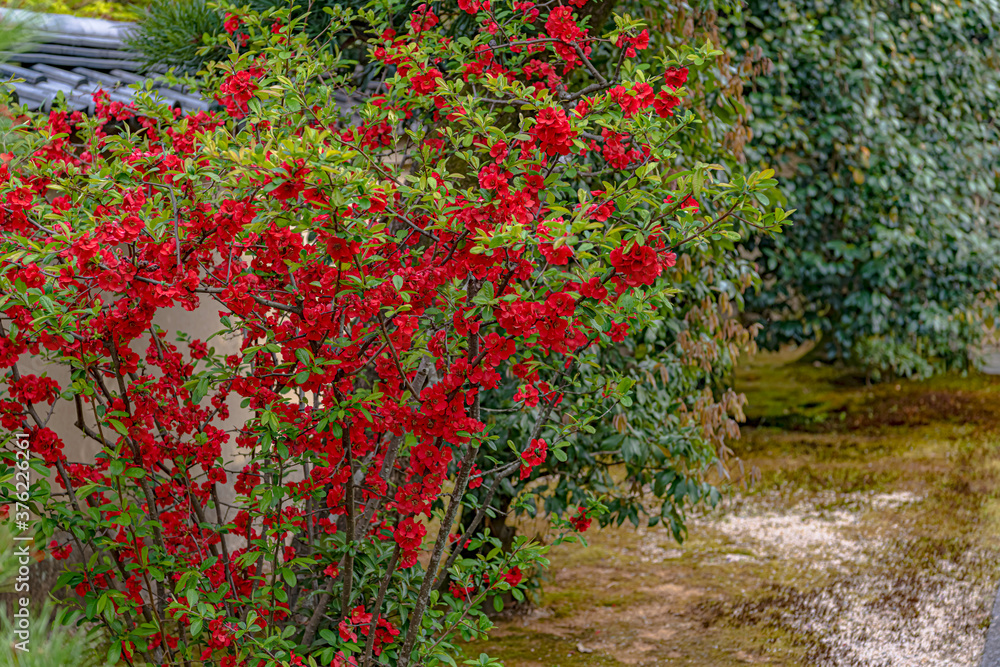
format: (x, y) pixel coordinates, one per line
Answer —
(500, 207)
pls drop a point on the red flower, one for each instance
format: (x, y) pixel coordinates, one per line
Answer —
(632, 44)
(561, 25)
(426, 82)
(198, 349)
(347, 633)
(602, 211)
(20, 198)
(473, 6)
(528, 394)
(627, 102)
(556, 256)
(60, 552)
(461, 592)
(594, 289)
(232, 23)
(409, 535)
(475, 477)
(644, 94)
(665, 103)
(34, 389)
(513, 576)
(359, 617)
(580, 521)
(688, 203)
(499, 151)
(492, 178)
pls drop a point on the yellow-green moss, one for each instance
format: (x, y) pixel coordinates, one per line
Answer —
(102, 9)
(816, 433)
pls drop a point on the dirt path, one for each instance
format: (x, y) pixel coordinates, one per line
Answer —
(872, 539)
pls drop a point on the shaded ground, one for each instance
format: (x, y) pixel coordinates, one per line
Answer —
(871, 538)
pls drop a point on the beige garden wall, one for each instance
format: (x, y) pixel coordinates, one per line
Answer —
(200, 323)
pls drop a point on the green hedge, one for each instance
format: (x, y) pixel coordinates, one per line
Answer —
(883, 119)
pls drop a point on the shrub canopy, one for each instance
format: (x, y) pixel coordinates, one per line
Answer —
(501, 208)
(683, 411)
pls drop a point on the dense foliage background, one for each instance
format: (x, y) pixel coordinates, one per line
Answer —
(882, 117)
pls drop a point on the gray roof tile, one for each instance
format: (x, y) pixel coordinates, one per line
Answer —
(78, 56)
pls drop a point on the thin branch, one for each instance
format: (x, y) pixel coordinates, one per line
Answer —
(377, 607)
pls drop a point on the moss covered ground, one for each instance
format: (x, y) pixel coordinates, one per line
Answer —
(866, 531)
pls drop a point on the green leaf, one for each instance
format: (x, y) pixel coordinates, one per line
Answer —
(114, 653)
(118, 426)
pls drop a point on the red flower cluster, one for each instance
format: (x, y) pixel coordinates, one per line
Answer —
(562, 26)
(631, 44)
(459, 591)
(239, 88)
(580, 520)
(637, 266)
(617, 149)
(34, 389)
(675, 77)
(665, 101)
(533, 457)
(409, 535)
(552, 131)
(664, 104)
(423, 19)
